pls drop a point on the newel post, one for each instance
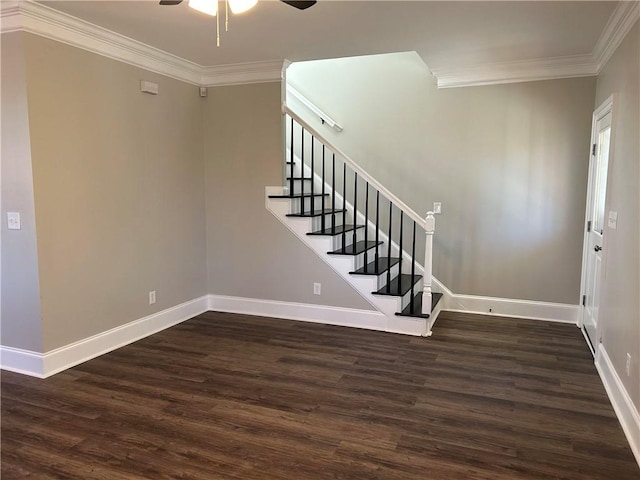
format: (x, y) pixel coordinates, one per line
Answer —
(429, 228)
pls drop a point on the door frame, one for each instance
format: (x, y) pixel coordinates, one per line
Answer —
(608, 106)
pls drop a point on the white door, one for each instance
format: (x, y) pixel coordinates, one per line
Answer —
(595, 223)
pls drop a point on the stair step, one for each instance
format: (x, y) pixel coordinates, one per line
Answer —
(377, 268)
(337, 230)
(316, 213)
(299, 178)
(398, 288)
(358, 248)
(417, 306)
(298, 195)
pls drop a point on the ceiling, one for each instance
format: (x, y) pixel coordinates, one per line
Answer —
(445, 34)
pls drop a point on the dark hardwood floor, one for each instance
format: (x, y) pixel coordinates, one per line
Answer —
(226, 396)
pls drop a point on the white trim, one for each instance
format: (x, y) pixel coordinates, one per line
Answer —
(54, 361)
(21, 361)
(510, 307)
(626, 411)
(346, 317)
(517, 71)
(39, 19)
(45, 21)
(620, 22)
(242, 73)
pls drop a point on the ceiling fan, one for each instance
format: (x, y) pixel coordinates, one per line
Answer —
(299, 4)
(210, 7)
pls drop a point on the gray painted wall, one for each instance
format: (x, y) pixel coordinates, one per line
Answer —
(509, 163)
(619, 315)
(21, 325)
(250, 253)
(118, 180)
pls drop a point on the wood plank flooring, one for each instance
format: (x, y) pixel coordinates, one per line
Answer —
(227, 396)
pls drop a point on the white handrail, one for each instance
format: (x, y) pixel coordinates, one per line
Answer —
(311, 106)
(354, 166)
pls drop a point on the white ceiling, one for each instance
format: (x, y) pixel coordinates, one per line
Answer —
(445, 34)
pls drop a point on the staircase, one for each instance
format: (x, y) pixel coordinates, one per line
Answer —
(364, 232)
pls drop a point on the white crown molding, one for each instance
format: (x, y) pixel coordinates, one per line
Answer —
(47, 22)
(620, 22)
(242, 73)
(518, 71)
(38, 19)
(26, 15)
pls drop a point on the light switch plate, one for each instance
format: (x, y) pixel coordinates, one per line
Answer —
(13, 220)
(613, 220)
(437, 208)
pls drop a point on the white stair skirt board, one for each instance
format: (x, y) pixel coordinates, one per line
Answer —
(625, 410)
(342, 265)
(346, 317)
(47, 364)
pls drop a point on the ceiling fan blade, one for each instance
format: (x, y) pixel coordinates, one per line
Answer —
(170, 2)
(300, 5)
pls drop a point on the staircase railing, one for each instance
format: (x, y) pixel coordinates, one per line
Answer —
(371, 194)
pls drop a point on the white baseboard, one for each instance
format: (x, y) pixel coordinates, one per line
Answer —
(44, 365)
(509, 307)
(346, 317)
(625, 409)
(22, 361)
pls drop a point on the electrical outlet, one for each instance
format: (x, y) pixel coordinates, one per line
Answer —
(152, 297)
(437, 208)
(317, 288)
(628, 367)
(13, 220)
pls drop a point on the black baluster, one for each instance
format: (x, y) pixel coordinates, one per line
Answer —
(400, 247)
(302, 173)
(333, 195)
(355, 208)
(389, 247)
(313, 170)
(322, 203)
(413, 265)
(366, 224)
(344, 204)
(291, 176)
(377, 227)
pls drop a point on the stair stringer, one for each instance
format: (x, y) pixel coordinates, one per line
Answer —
(342, 265)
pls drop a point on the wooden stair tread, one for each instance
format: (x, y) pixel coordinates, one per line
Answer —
(315, 213)
(298, 195)
(355, 249)
(399, 286)
(417, 306)
(377, 268)
(337, 230)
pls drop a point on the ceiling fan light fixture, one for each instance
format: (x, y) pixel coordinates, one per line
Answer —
(240, 6)
(210, 7)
